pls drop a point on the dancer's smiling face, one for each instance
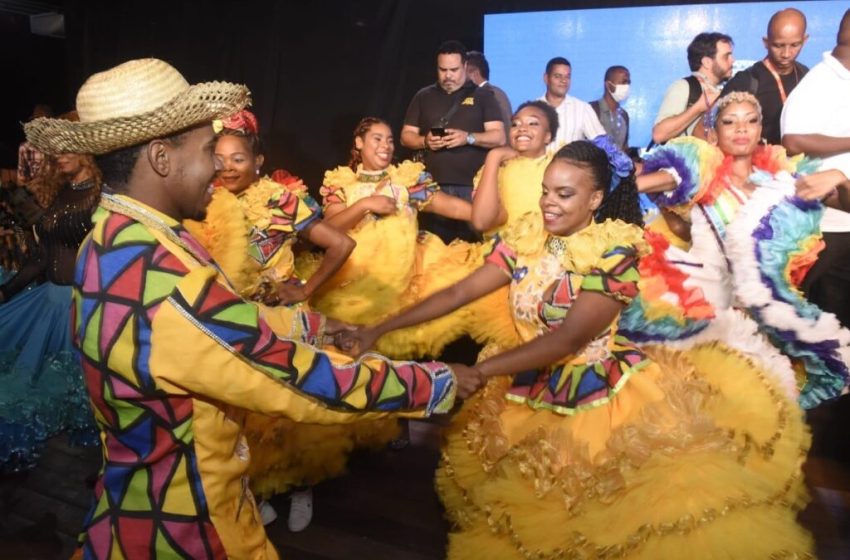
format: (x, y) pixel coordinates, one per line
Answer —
(529, 132)
(570, 197)
(239, 166)
(376, 147)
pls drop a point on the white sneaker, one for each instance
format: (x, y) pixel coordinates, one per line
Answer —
(267, 512)
(301, 510)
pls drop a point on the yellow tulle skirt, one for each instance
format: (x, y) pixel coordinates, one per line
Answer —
(395, 266)
(698, 456)
(287, 454)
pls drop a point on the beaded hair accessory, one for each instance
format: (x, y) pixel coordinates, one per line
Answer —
(621, 165)
(728, 99)
(244, 121)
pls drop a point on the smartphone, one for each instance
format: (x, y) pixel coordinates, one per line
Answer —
(438, 131)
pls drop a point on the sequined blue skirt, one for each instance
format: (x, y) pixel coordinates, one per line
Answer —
(43, 393)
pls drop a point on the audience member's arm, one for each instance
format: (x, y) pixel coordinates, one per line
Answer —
(815, 145)
(412, 138)
(802, 121)
(591, 125)
(493, 135)
(671, 123)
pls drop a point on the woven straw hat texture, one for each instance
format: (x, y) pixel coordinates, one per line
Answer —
(132, 103)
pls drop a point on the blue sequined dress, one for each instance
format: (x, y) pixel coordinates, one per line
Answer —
(43, 393)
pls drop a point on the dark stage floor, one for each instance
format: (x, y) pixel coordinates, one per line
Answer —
(385, 508)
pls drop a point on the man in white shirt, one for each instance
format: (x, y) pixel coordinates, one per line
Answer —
(576, 119)
(816, 121)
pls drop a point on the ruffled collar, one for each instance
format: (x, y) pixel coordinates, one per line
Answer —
(768, 161)
(578, 251)
(369, 176)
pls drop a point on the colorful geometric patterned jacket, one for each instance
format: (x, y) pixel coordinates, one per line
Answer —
(172, 359)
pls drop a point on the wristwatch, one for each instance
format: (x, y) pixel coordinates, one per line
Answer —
(470, 139)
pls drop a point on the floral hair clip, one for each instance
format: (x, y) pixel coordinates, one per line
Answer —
(244, 121)
(621, 165)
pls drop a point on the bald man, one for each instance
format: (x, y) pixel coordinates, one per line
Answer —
(772, 79)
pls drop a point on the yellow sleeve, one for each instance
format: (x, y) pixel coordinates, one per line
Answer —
(207, 341)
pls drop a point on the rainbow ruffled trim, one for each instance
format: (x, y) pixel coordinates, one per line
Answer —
(695, 161)
(773, 236)
(665, 309)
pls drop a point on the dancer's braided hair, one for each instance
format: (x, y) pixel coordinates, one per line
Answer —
(619, 203)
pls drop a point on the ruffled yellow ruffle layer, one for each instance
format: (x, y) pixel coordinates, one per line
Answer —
(697, 457)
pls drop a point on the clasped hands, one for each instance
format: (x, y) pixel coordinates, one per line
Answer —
(357, 340)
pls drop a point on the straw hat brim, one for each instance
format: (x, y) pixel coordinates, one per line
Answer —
(197, 104)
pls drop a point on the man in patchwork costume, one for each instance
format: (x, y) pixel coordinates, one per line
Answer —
(172, 355)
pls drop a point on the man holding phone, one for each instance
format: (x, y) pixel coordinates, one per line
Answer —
(455, 122)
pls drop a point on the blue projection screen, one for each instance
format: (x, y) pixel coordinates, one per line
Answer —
(651, 42)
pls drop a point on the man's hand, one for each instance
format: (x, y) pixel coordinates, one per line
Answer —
(711, 94)
(820, 185)
(335, 327)
(434, 143)
(454, 138)
(291, 292)
(469, 380)
(355, 342)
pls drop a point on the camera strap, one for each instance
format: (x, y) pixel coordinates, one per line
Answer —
(463, 93)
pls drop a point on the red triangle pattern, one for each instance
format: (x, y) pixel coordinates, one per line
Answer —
(123, 390)
(114, 224)
(345, 377)
(216, 296)
(136, 535)
(166, 261)
(128, 284)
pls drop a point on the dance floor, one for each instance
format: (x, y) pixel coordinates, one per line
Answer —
(385, 508)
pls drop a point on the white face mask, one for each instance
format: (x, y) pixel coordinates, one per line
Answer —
(620, 93)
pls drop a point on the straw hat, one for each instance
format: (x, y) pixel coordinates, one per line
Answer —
(132, 103)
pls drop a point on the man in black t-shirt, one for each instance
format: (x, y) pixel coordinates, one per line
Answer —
(772, 79)
(455, 122)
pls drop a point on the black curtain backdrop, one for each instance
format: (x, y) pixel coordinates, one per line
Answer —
(315, 68)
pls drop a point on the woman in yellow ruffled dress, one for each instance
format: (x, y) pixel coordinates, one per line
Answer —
(506, 188)
(394, 264)
(509, 183)
(583, 445)
(252, 224)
